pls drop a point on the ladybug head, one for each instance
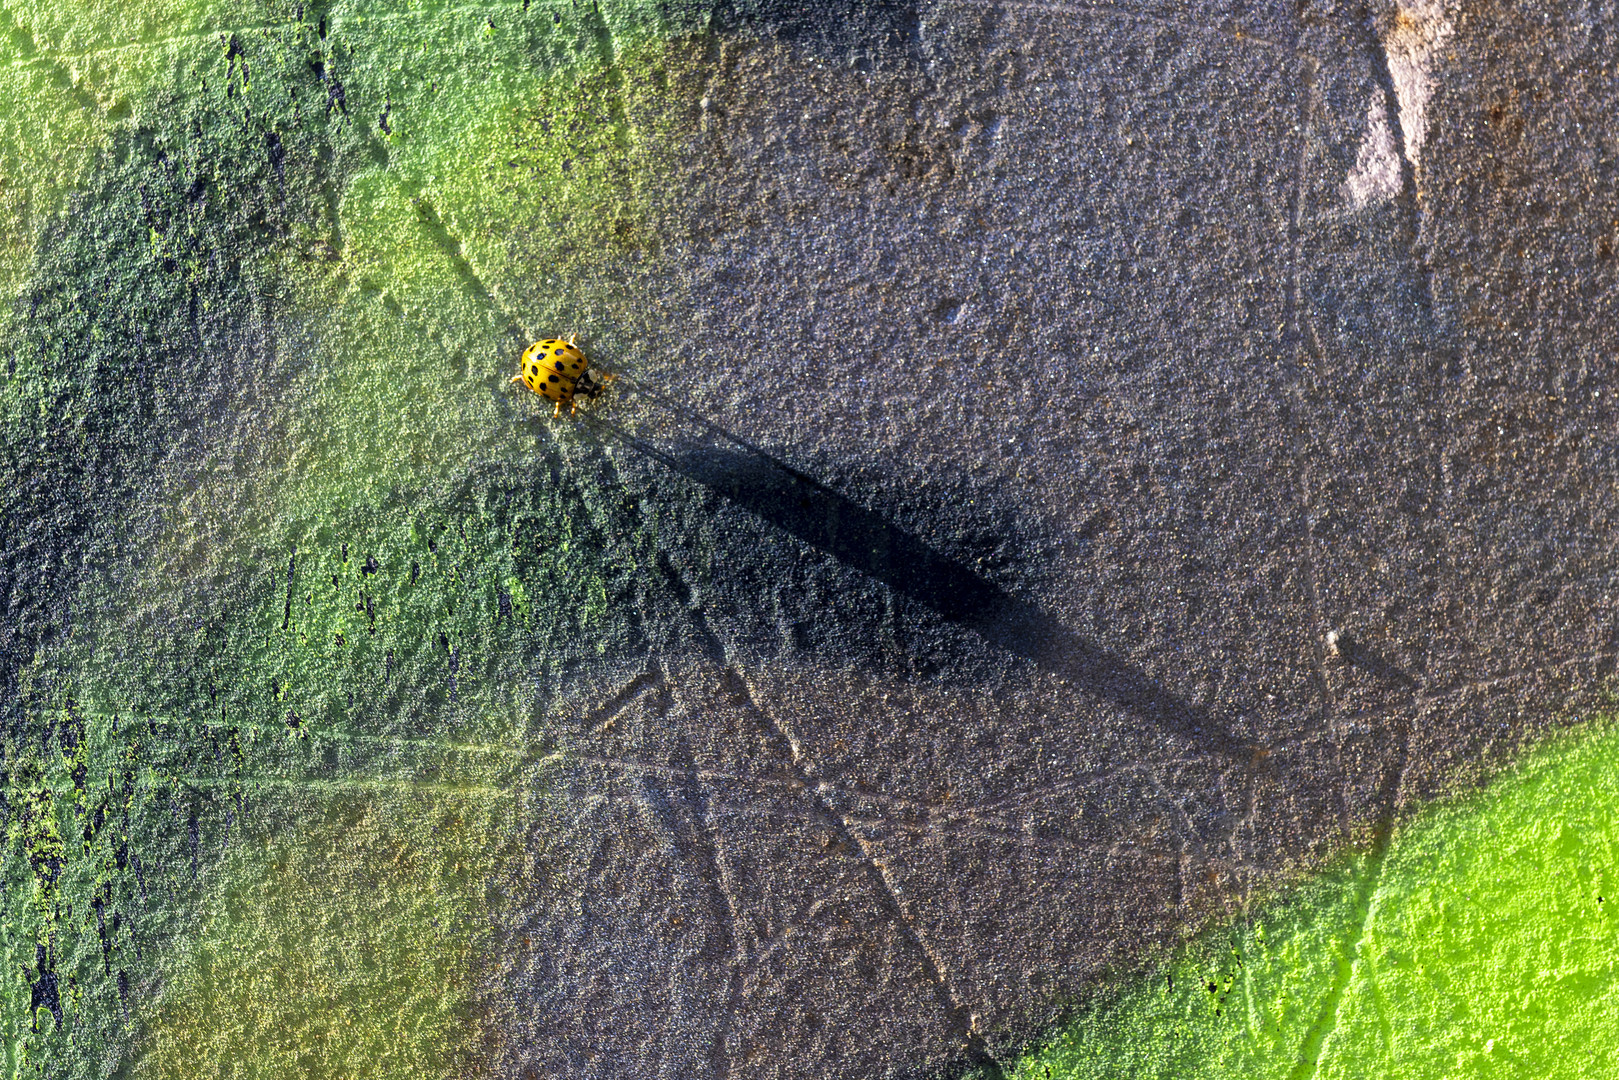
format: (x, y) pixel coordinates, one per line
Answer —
(591, 384)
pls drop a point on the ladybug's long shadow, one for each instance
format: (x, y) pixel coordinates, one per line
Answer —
(807, 509)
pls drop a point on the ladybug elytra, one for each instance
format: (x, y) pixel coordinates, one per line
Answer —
(557, 370)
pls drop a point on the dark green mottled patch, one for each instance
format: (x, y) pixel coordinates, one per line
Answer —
(202, 639)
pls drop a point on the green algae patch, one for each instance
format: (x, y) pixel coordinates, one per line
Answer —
(138, 340)
(344, 945)
(75, 76)
(491, 177)
(1479, 940)
(399, 660)
(287, 572)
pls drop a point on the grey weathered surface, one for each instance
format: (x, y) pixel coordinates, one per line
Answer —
(1071, 310)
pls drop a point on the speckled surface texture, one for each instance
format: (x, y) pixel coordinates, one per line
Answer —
(1076, 296)
(1078, 469)
(1089, 276)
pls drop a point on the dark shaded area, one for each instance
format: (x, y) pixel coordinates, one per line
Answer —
(1355, 652)
(863, 33)
(862, 540)
(43, 991)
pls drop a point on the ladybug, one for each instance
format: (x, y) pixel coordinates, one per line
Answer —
(556, 369)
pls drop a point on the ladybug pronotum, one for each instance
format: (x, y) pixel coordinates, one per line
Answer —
(556, 369)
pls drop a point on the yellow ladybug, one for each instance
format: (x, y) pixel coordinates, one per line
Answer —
(555, 369)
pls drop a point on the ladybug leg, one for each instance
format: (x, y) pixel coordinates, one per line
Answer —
(556, 412)
(517, 378)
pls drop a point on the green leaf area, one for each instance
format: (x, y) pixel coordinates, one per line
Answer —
(1479, 940)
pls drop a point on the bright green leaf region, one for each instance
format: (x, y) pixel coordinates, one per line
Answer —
(1479, 940)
